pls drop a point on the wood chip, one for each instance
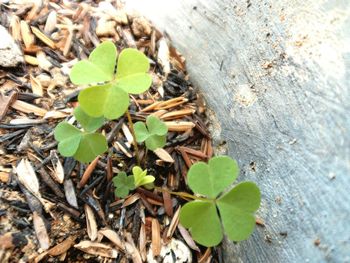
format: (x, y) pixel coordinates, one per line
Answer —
(131, 249)
(41, 232)
(91, 224)
(27, 177)
(112, 236)
(15, 26)
(88, 172)
(179, 126)
(5, 102)
(106, 28)
(43, 37)
(31, 60)
(62, 247)
(27, 37)
(187, 237)
(163, 56)
(51, 22)
(177, 114)
(156, 240)
(164, 155)
(168, 204)
(37, 88)
(70, 193)
(4, 177)
(143, 242)
(28, 108)
(58, 173)
(173, 224)
(97, 249)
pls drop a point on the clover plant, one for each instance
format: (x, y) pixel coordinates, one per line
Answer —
(108, 97)
(141, 177)
(124, 183)
(84, 145)
(154, 135)
(111, 99)
(236, 207)
(213, 211)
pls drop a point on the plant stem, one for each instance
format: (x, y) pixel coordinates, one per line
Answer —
(134, 137)
(183, 195)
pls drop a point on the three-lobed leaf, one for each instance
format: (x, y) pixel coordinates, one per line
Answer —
(203, 221)
(110, 100)
(123, 184)
(212, 178)
(106, 100)
(98, 68)
(132, 70)
(154, 135)
(88, 123)
(236, 207)
(91, 145)
(83, 146)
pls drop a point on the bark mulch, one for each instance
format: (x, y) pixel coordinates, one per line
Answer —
(55, 209)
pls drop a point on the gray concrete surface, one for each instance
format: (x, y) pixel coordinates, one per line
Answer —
(277, 75)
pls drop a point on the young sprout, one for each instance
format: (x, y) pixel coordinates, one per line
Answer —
(124, 183)
(141, 177)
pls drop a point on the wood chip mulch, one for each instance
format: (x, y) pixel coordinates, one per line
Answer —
(55, 209)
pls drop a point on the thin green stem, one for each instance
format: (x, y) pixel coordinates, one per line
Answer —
(134, 137)
(183, 195)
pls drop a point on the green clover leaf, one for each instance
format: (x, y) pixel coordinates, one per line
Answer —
(123, 184)
(132, 70)
(98, 68)
(141, 177)
(110, 100)
(89, 123)
(236, 207)
(212, 178)
(154, 134)
(203, 221)
(83, 146)
(107, 100)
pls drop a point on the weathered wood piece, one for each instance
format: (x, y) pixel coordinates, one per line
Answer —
(276, 74)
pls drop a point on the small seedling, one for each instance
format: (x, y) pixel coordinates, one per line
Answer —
(141, 177)
(236, 207)
(109, 98)
(154, 135)
(123, 184)
(84, 145)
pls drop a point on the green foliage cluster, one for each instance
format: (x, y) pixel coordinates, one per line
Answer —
(124, 183)
(236, 207)
(213, 211)
(108, 97)
(154, 135)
